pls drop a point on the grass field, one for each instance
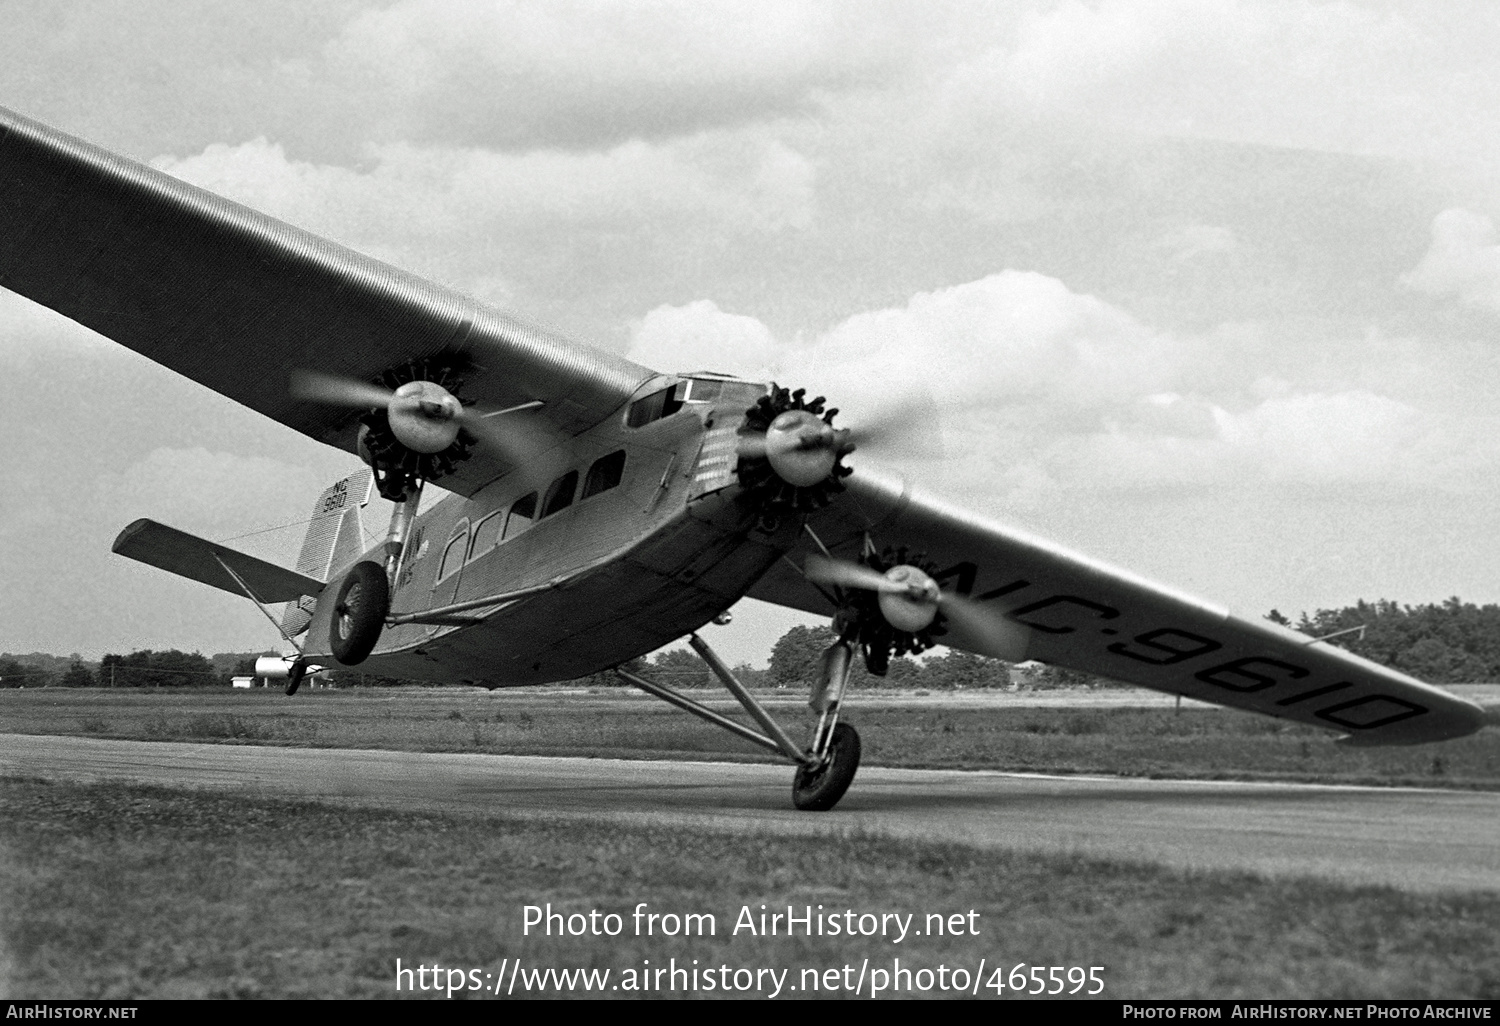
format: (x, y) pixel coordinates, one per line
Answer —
(125, 891)
(1098, 735)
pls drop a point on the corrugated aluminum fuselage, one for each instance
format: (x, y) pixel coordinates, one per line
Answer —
(641, 564)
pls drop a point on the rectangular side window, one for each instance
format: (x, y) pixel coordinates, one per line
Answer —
(486, 535)
(604, 474)
(521, 516)
(560, 493)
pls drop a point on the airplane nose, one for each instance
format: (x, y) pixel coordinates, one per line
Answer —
(801, 448)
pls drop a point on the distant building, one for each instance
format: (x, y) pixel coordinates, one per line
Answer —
(242, 682)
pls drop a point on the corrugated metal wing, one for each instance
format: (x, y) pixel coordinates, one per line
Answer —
(1083, 614)
(238, 301)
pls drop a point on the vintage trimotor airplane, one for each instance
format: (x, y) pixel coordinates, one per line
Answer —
(601, 510)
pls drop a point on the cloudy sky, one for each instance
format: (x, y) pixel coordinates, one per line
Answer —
(1209, 289)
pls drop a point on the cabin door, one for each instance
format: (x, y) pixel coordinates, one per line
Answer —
(451, 568)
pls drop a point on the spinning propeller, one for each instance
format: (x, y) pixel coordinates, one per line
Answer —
(425, 418)
(803, 448)
(909, 600)
(790, 454)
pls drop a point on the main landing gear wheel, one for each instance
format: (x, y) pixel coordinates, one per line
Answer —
(359, 613)
(818, 790)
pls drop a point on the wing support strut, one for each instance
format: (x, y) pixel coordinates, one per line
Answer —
(298, 669)
(754, 708)
(778, 740)
(258, 604)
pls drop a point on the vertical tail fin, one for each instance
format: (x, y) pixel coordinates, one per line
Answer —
(335, 538)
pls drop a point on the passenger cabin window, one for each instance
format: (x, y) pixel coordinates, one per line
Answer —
(560, 493)
(453, 552)
(521, 516)
(657, 405)
(486, 534)
(604, 474)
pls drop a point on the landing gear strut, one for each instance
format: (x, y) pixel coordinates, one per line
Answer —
(835, 748)
(826, 768)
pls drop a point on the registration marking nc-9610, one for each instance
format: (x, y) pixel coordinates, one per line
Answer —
(1060, 614)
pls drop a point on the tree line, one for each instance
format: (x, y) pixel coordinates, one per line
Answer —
(143, 668)
(1450, 642)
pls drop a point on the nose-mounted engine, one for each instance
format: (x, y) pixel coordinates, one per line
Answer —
(791, 456)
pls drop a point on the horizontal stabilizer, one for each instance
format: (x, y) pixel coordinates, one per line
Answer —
(196, 559)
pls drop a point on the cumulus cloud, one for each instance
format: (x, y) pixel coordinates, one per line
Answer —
(1043, 391)
(1198, 240)
(1013, 335)
(1332, 76)
(700, 336)
(586, 74)
(1007, 337)
(449, 209)
(1463, 261)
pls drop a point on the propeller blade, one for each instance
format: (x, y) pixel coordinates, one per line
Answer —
(317, 386)
(518, 440)
(909, 427)
(507, 434)
(751, 446)
(841, 574)
(984, 628)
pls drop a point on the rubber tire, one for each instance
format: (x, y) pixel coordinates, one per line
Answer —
(294, 676)
(358, 613)
(820, 790)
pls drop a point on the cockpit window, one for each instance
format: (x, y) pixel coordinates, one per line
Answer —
(656, 405)
(704, 390)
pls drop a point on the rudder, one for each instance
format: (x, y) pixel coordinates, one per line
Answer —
(335, 539)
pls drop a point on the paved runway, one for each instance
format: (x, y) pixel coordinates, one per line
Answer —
(1413, 839)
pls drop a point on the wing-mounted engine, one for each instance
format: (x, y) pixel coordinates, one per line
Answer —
(417, 434)
(416, 428)
(891, 604)
(891, 622)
